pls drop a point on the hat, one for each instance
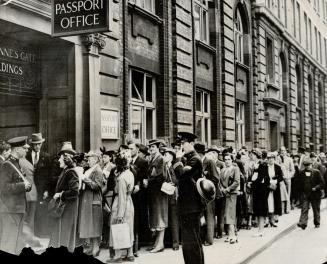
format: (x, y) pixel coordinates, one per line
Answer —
(18, 142)
(301, 150)
(123, 146)
(67, 148)
(174, 144)
(92, 154)
(322, 155)
(307, 161)
(156, 142)
(271, 155)
(107, 152)
(206, 189)
(185, 136)
(200, 148)
(79, 157)
(313, 155)
(37, 138)
(257, 152)
(213, 148)
(169, 150)
(143, 149)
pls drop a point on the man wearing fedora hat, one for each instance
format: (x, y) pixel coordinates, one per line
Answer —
(41, 176)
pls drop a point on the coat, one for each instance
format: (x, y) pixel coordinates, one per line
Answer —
(316, 181)
(189, 200)
(210, 170)
(12, 188)
(65, 228)
(158, 200)
(28, 170)
(122, 206)
(90, 214)
(42, 172)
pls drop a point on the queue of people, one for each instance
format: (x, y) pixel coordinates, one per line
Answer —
(75, 198)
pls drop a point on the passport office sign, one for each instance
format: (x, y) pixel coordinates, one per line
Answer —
(73, 17)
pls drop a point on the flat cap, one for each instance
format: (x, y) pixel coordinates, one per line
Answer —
(307, 161)
(18, 142)
(185, 136)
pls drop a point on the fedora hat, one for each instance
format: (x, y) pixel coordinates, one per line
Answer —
(67, 147)
(206, 189)
(156, 142)
(36, 138)
(92, 154)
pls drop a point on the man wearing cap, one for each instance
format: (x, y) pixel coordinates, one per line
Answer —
(310, 185)
(40, 161)
(13, 188)
(189, 200)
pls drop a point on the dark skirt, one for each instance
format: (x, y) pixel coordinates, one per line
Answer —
(260, 202)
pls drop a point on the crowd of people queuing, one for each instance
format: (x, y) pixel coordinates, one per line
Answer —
(101, 188)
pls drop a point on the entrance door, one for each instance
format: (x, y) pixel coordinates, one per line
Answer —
(273, 136)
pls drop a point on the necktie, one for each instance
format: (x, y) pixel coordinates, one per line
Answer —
(36, 158)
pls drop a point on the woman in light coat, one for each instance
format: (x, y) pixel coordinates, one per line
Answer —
(122, 208)
(230, 181)
(90, 216)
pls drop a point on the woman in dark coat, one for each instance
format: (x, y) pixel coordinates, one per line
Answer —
(90, 217)
(65, 228)
(158, 200)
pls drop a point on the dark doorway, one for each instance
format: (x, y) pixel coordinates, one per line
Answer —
(273, 136)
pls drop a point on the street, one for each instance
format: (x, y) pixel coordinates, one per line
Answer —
(307, 246)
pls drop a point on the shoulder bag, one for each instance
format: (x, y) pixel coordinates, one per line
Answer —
(168, 187)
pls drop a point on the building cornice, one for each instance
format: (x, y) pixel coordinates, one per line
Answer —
(40, 7)
(264, 11)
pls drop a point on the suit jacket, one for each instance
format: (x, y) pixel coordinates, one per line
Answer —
(12, 188)
(189, 200)
(42, 172)
(155, 173)
(316, 181)
(211, 173)
(139, 169)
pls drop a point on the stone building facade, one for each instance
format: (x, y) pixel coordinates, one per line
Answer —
(235, 72)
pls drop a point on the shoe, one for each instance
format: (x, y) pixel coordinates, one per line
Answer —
(258, 235)
(233, 240)
(302, 226)
(317, 226)
(157, 250)
(266, 225)
(272, 225)
(207, 244)
(136, 254)
(119, 260)
(227, 239)
(248, 227)
(175, 248)
(129, 259)
(218, 236)
(150, 248)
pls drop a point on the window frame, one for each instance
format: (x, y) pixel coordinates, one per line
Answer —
(143, 105)
(141, 4)
(239, 37)
(240, 123)
(203, 29)
(204, 115)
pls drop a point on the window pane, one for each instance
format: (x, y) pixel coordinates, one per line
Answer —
(198, 127)
(206, 131)
(197, 21)
(149, 96)
(198, 100)
(148, 5)
(137, 123)
(137, 85)
(149, 124)
(206, 103)
(204, 25)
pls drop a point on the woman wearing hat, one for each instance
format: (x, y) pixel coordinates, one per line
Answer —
(230, 180)
(158, 200)
(65, 227)
(90, 216)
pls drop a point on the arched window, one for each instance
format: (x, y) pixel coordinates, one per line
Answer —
(239, 37)
(282, 78)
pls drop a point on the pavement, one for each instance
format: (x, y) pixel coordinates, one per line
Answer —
(247, 248)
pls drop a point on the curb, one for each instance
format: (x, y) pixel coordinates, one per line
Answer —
(271, 241)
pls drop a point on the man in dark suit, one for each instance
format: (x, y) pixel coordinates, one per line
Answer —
(13, 188)
(139, 167)
(310, 183)
(41, 163)
(189, 201)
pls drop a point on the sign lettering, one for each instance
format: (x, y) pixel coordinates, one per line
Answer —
(109, 124)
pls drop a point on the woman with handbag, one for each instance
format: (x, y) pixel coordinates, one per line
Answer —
(230, 181)
(122, 210)
(66, 196)
(90, 214)
(158, 200)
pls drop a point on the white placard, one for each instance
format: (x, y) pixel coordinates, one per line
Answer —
(109, 124)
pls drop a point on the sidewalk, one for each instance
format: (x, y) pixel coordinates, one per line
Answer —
(224, 253)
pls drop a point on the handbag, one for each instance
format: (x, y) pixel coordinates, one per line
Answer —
(121, 237)
(272, 186)
(56, 208)
(168, 187)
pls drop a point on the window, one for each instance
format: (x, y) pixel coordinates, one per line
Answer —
(310, 35)
(311, 108)
(148, 5)
(282, 79)
(239, 37)
(201, 20)
(202, 118)
(325, 45)
(319, 45)
(298, 86)
(294, 18)
(298, 21)
(306, 31)
(321, 113)
(316, 42)
(278, 8)
(240, 124)
(142, 106)
(270, 60)
(285, 13)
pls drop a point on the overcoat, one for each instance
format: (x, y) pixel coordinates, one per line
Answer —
(158, 200)
(90, 215)
(65, 228)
